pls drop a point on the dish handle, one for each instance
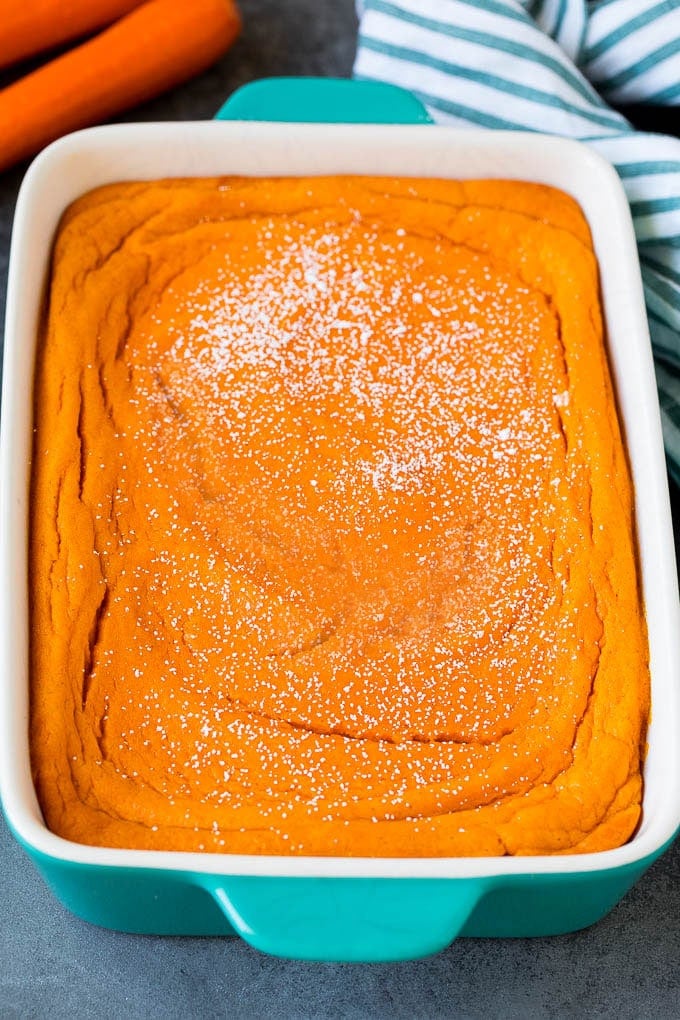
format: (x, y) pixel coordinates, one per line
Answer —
(345, 920)
(323, 101)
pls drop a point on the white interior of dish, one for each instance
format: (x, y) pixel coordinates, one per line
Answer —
(98, 156)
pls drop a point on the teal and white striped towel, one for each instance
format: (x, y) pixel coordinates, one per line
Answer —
(553, 65)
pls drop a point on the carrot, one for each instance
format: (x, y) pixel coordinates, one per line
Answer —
(155, 47)
(31, 26)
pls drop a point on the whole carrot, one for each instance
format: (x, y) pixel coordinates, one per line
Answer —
(156, 46)
(31, 26)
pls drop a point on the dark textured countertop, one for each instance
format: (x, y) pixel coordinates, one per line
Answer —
(54, 965)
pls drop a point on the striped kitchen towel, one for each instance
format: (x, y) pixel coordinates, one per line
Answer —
(554, 65)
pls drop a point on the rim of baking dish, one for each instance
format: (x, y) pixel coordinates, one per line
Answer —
(145, 151)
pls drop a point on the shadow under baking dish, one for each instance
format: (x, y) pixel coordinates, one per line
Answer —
(337, 908)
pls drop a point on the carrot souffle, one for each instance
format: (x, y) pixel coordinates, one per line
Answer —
(332, 544)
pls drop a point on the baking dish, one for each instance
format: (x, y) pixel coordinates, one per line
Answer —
(330, 908)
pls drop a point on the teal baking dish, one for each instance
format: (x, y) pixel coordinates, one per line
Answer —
(329, 908)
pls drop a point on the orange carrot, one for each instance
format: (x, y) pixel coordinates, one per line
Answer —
(31, 26)
(156, 46)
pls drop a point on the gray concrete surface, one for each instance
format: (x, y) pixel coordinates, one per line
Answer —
(53, 965)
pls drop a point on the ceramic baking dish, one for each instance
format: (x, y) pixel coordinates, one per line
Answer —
(318, 908)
